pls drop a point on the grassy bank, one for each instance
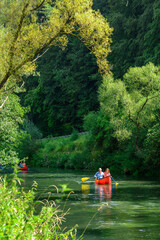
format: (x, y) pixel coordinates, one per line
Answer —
(74, 152)
(80, 152)
(62, 153)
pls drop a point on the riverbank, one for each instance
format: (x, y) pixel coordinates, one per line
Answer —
(79, 152)
(62, 153)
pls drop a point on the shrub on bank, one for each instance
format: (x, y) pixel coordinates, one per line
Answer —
(62, 153)
(84, 153)
(18, 218)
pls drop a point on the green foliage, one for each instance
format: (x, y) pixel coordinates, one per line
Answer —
(151, 38)
(61, 153)
(70, 89)
(11, 135)
(152, 146)
(59, 102)
(64, 188)
(131, 104)
(24, 38)
(124, 133)
(19, 219)
(65, 89)
(145, 80)
(40, 24)
(32, 130)
(136, 32)
(114, 101)
(74, 135)
(28, 145)
(101, 132)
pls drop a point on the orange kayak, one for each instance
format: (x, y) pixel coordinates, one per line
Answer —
(103, 181)
(23, 168)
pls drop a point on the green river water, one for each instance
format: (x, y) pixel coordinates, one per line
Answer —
(126, 212)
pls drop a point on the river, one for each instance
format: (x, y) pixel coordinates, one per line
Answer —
(128, 211)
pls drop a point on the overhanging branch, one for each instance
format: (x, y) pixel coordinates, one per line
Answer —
(8, 73)
(4, 102)
(40, 5)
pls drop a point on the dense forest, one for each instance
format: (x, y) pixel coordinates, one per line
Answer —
(79, 89)
(28, 28)
(66, 88)
(69, 93)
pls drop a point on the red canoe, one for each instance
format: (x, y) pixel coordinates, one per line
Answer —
(106, 180)
(23, 168)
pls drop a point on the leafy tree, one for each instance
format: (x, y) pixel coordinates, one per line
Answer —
(101, 131)
(32, 130)
(28, 144)
(151, 38)
(36, 26)
(135, 35)
(133, 103)
(39, 24)
(66, 89)
(11, 133)
(100, 141)
(152, 146)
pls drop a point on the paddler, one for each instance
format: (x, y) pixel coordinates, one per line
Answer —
(99, 174)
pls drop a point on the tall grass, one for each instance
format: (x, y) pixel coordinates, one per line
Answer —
(19, 220)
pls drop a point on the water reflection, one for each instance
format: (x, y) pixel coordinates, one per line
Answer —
(85, 189)
(104, 191)
(23, 175)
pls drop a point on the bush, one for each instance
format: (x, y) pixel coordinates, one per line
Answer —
(61, 153)
(33, 130)
(74, 135)
(18, 218)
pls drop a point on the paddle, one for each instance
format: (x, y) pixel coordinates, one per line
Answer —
(86, 178)
(114, 180)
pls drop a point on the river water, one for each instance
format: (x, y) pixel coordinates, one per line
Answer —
(128, 211)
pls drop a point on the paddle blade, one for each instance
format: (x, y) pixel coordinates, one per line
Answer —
(85, 179)
(117, 183)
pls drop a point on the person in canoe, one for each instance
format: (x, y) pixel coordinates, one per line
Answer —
(23, 164)
(99, 174)
(20, 164)
(107, 174)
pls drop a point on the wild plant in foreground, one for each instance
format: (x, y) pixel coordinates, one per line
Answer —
(19, 220)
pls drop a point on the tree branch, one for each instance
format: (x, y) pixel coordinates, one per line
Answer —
(38, 51)
(22, 84)
(147, 99)
(132, 118)
(4, 102)
(142, 108)
(17, 33)
(138, 132)
(7, 75)
(74, 35)
(39, 56)
(40, 5)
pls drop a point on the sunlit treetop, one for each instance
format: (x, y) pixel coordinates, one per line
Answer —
(29, 27)
(133, 103)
